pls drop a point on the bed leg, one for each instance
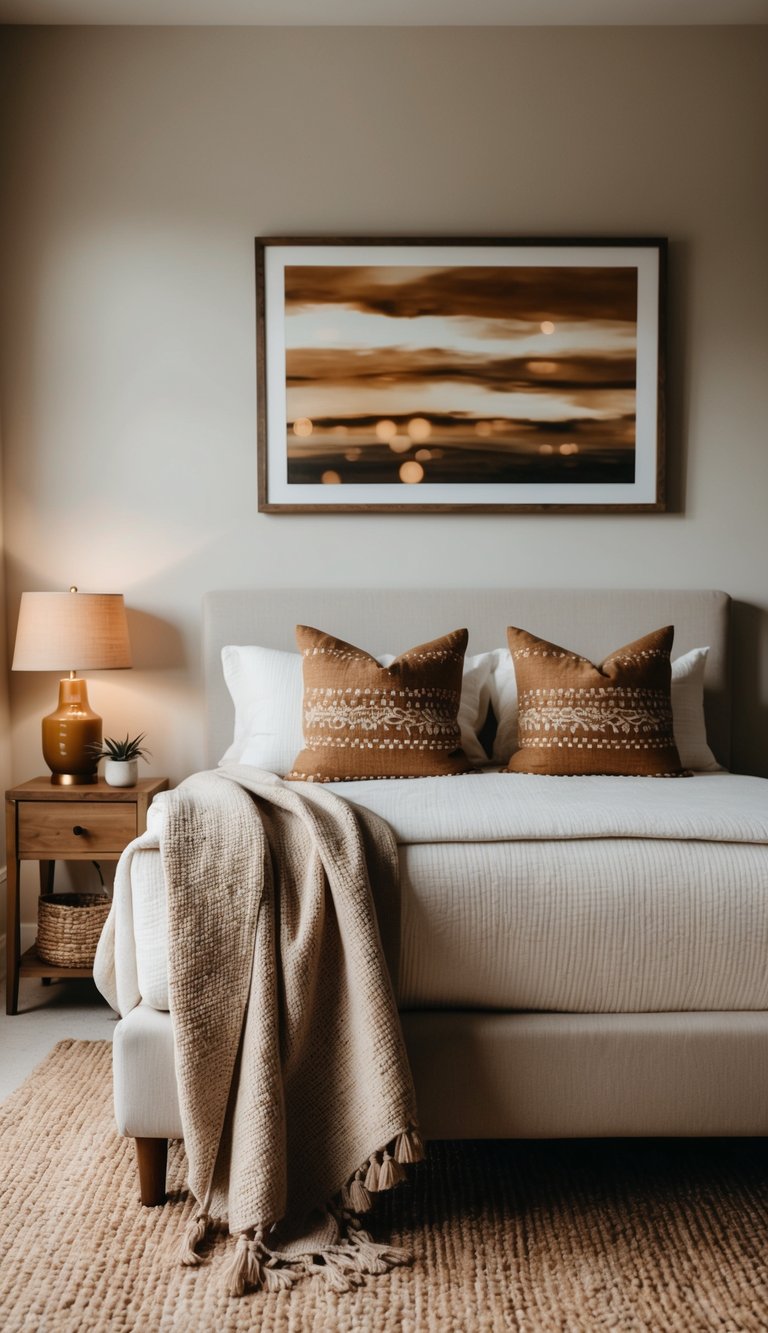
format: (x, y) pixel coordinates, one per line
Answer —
(152, 1158)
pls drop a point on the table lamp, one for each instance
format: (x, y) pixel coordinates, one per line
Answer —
(71, 631)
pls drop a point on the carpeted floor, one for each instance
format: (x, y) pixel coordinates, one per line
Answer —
(557, 1237)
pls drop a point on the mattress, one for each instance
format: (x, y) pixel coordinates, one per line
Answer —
(583, 895)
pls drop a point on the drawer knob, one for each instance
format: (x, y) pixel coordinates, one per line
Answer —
(79, 831)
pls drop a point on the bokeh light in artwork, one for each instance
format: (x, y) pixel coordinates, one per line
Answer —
(330, 478)
(423, 455)
(546, 449)
(353, 454)
(400, 444)
(302, 427)
(569, 448)
(419, 429)
(385, 430)
(483, 429)
(411, 472)
(547, 326)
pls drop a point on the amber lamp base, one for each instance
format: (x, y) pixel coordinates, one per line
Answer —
(68, 734)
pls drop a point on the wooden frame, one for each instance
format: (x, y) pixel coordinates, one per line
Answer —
(483, 375)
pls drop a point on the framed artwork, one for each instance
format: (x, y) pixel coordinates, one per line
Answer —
(460, 375)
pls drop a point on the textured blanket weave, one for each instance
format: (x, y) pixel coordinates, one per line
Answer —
(294, 1085)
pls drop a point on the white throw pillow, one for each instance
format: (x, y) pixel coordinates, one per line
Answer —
(688, 712)
(687, 709)
(267, 689)
(504, 704)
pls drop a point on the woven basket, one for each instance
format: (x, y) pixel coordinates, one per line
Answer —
(69, 926)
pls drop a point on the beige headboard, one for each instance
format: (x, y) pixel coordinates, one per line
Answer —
(390, 620)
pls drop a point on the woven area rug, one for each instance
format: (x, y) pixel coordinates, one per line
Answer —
(559, 1237)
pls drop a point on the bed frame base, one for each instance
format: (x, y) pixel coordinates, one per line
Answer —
(512, 1076)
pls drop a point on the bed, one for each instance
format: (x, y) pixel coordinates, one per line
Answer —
(575, 957)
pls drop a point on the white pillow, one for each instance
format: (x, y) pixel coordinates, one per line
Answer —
(688, 712)
(267, 689)
(504, 705)
(687, 709)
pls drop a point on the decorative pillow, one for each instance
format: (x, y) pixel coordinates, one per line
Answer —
(688, 712)
(266, 687)
(690, 729)
(575, 717)
(364, 720)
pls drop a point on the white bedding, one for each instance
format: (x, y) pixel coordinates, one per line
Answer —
(496, 807)
(572, 894)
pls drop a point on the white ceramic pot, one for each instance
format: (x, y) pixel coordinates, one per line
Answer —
(121, 772)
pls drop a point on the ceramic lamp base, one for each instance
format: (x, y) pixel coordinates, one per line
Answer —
(68, 734)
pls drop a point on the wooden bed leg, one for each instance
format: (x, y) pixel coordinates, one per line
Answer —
(152, 1158)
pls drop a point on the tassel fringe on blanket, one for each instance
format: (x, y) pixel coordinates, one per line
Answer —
(342, 1264)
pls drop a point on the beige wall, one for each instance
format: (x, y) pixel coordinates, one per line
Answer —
(140, 165)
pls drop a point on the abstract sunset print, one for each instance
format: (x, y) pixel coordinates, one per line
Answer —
(411, 374)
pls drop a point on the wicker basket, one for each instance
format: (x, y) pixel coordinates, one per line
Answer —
(69, 926)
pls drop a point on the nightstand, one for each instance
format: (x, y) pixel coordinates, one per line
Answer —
(45, 823)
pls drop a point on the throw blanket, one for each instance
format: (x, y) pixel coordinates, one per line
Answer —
(296, 1098)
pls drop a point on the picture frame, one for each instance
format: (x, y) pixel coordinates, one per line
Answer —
(460, 375)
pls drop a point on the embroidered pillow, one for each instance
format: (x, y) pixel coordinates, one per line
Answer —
(364, 720)
(689, 725)
(575, 717)
(266, 688)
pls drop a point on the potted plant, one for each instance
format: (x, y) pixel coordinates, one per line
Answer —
(122, 759)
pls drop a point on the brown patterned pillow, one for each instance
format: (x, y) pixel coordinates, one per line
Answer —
(576, 717)
(363, 720)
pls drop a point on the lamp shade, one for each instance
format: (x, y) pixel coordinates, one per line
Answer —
(71, 631)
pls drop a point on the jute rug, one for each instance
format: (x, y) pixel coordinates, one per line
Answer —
(541, 1236)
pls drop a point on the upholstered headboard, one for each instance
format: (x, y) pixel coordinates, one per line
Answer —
(389, 620)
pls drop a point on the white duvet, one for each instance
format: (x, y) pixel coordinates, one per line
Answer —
(497, 807)
(574, 894)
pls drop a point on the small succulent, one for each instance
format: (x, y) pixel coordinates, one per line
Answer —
(120, 750)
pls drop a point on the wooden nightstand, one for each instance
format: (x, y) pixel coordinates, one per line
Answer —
(47, 824)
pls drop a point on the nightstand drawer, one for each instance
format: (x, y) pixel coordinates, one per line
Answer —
(58, 829)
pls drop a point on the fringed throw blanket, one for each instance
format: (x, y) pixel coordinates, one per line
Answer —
(296, 1097)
